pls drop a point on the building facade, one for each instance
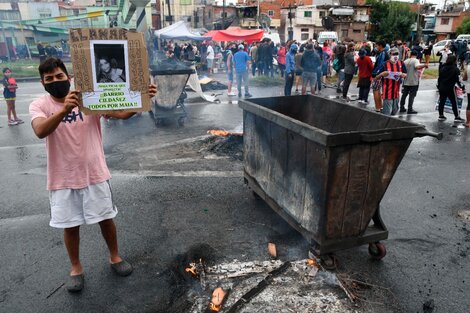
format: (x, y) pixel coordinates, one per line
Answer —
(350, 22)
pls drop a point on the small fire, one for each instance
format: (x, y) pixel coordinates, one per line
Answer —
(312, 262)
(223, 133)
(195, 268)
(191, 269)
(215, 308)
(218, 296)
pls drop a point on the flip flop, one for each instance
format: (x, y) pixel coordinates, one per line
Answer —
(75, 283)
(122, 268)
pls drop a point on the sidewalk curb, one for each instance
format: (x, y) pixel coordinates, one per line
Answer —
(28, 79)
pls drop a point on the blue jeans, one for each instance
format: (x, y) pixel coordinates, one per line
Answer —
(390, 106)
(319, 72)
(242, 76)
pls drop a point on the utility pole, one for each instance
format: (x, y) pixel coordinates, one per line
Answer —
(257, 13)
(223, 14)
(290, 30)
(169, 11)
(418, 23)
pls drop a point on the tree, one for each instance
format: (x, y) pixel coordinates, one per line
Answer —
(464, 28)
(391, 20)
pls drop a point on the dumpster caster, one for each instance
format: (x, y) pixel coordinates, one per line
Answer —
(181, 121)
(329, 261)
(377, 250)
(158, 121)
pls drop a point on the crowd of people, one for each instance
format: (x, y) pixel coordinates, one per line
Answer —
(392, 70)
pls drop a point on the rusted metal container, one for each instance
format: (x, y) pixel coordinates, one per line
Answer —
(169, 100)
(324, 166)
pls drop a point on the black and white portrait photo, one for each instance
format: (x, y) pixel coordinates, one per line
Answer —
(110, 62)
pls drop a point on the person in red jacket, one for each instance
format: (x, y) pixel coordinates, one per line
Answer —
(281, 59)
(364, 63)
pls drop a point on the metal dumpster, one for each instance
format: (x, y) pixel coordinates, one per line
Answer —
(169, 100)
(324, 166)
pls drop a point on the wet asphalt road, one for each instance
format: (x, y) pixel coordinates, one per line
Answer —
(170, 199)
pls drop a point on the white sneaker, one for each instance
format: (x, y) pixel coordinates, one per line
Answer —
(231, 94)
(12, 123)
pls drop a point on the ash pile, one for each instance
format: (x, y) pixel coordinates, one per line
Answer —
(203, 286)
(224, 143)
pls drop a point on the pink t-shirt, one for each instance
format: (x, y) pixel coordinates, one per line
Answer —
(75, 156)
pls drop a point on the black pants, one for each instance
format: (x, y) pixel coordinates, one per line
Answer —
(410, 91)
(347, 81)
(364, 93)
(282, 68)
(443, 95)
(253, 68)
(289, 83)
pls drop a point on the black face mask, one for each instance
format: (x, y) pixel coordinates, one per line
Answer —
(58, 89)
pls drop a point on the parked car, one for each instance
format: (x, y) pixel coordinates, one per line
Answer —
(438, 46)
(464, 37)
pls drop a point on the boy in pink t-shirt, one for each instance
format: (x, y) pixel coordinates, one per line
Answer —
(77, 174)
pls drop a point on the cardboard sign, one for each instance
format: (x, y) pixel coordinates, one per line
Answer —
(110, 67)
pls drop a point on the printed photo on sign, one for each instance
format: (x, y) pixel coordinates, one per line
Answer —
(110, 72)
(111, 69)
(109, 62)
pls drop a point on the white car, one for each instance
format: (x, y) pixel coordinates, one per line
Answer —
(438, 46)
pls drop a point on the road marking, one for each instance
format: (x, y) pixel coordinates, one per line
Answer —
(149, 173)
(19, 114)
(33, 145)
(177, 174)
(22, 220)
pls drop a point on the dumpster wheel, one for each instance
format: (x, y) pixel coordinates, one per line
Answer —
(377, 250)
(329, 261)
(181, 121)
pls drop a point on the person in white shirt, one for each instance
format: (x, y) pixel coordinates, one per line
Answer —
(210, 55)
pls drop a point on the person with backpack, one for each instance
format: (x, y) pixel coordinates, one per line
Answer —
(298, 68)
(380, 59)
(365, 66)
(310, 62)
(9, 94)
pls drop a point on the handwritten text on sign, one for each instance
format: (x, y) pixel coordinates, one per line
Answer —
(112, 97)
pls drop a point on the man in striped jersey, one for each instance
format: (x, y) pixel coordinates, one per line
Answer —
(392, 73)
